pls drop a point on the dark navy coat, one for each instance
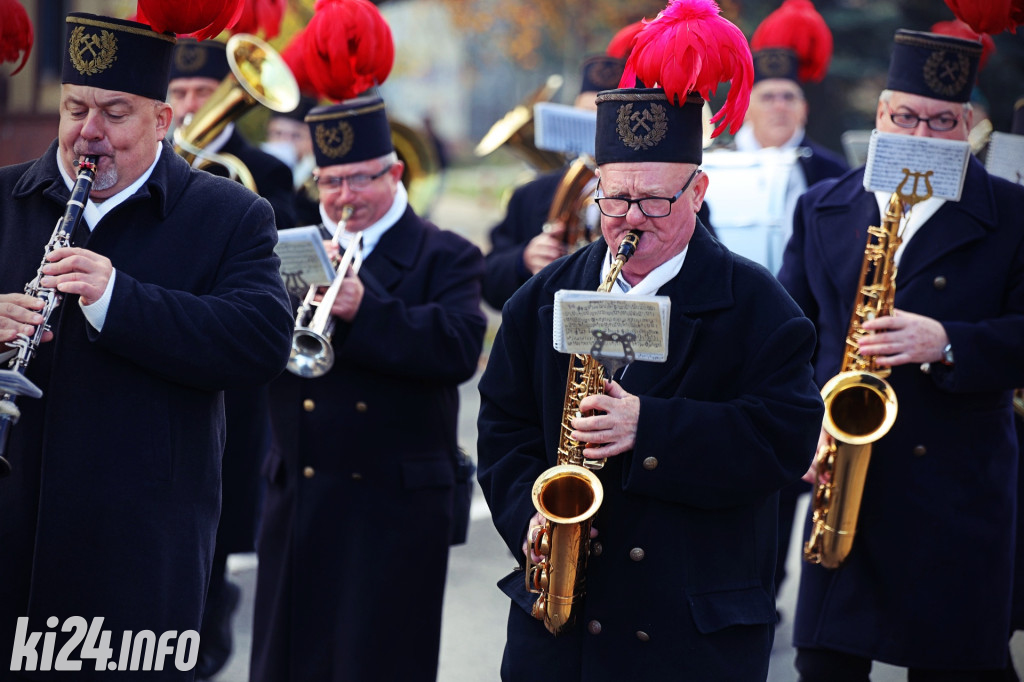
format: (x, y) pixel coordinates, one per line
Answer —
(113, 503)
(819, 163)
(680, 582)
(353, 544)
(248, 409)
(927, 583)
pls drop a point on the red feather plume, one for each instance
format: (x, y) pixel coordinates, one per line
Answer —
(690, 47)
(348, 48)
(958, 29)
(199, 19)
(797, 26)
(621, 43)
(989, 16)
(261, 16)
(15, 34)
(294, 55)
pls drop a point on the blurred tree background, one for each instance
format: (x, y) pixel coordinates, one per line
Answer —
(539, 37)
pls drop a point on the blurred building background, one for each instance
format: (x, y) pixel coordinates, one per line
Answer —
(464, 63)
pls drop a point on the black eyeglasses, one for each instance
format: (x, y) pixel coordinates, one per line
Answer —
(940, 124)
(652, 207)
(356, 183)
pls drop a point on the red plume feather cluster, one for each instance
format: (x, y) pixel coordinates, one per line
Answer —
(958, 29)
(15, 34)
(294, 56)
(797, 26)
(690, 47)
(199, 19)
(989, 16)
(621, 43)
(345, 49)
(261, 16)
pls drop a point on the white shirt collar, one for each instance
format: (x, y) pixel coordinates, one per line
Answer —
(93, 212)
(654, 280)
(917, 217)
(373, 233)
(746, 142)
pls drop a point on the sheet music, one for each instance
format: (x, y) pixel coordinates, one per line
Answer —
(890, 154)
(304, 260)
(578, 314)
(1005, 157)
(563, 128)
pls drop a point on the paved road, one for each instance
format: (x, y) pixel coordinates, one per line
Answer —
(475, 610)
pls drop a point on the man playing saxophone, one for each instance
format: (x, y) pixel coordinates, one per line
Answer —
(172, 294)
(679, 582)
(927, 582)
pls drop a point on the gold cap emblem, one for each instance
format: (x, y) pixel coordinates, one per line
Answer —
(946, 72)
(334, 141)
(91, 53)
(189, 58)
(641, 129)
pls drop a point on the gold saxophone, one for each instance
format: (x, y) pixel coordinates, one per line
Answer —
(860, 406)
(569, 493)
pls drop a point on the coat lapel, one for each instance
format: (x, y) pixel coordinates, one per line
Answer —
(952, 226)
(395, 253)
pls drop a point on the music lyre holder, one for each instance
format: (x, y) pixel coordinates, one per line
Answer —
(613, 363)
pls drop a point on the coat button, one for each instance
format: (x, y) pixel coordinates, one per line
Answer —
(308, 472)
(596, 548)
(308, 405)
(643, 636)
(920, 450)
(360, 406)
(939, 282)
(594, 627)
(636, 554)
(650, 463)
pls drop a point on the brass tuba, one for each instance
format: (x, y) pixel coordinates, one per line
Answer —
(569, 494)
(515, 130)
(860, 406)
(312, 354)
(422, 174)
(258, 76)
(573, 197)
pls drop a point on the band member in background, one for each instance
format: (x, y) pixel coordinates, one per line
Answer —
(927, 583)
(172, 294)
(695, 449)
(792, 46)
(197, 69)
(288, 139)
(353, 546)
(523, 242)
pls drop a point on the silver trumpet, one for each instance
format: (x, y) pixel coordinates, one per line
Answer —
(312, 355)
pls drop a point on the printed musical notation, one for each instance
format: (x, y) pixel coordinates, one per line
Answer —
(583, 318)
(891, 157)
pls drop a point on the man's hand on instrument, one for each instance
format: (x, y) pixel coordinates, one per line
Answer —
(825, 441)
(19, 314)
(537, 523)
(903, 338)
(350, 297)
(612, 432)
(545, 247)
(77, 271)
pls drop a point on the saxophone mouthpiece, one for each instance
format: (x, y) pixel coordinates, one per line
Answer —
(629, 243)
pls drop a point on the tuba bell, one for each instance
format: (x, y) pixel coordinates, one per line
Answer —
(516, 131)
(422, 174)
(572, 204)
(258, 76)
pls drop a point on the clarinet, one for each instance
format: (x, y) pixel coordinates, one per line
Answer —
(13, 381)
